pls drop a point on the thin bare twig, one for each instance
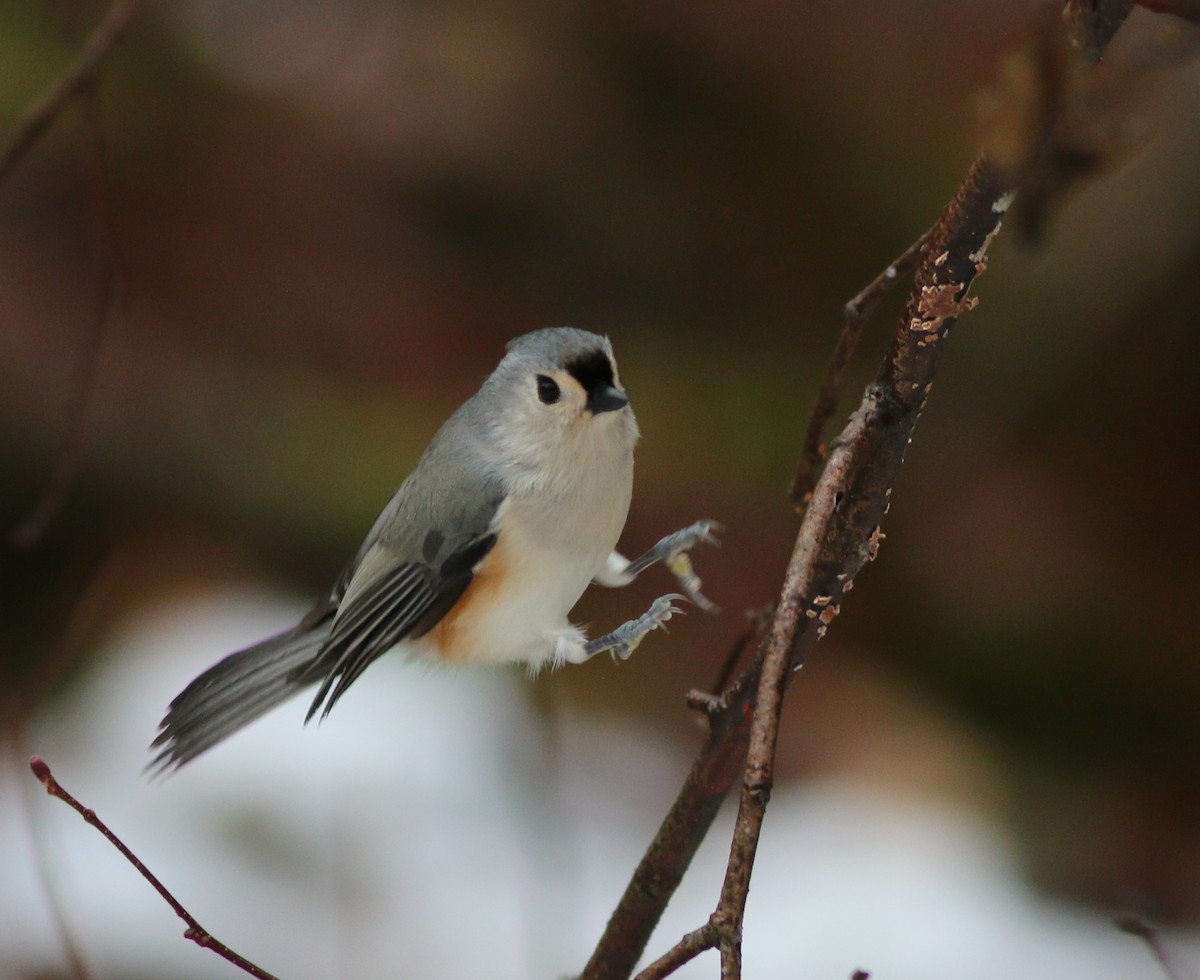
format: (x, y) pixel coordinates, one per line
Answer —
(195, 932)
(1173, 968)
(77, 967)
(858, 313)
(686, 950)
(79, 84)
(83, 72)
(758, 776)
(33, 527)
(679, 836)
(839, 534)
(710, 701)
(50, 659)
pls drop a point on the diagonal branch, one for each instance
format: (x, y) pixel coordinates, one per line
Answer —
(839, 534)
(78, 84)
(81, 75)
(858, 313)
(195, 932)
(32, 528)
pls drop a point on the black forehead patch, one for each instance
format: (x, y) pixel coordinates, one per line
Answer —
(592, 370)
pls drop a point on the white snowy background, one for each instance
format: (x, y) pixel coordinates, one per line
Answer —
(434, 826)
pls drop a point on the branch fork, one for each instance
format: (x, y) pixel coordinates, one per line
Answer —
(841, 530)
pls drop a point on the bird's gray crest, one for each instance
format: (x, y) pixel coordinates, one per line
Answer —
(557, 346)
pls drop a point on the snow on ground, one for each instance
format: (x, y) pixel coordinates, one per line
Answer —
(436, 826)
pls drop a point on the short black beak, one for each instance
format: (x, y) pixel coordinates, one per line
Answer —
(606, 398)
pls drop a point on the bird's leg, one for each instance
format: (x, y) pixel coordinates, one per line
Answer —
(622, 641)
(673, 552)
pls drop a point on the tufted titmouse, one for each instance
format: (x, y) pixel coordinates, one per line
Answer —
(515, 506)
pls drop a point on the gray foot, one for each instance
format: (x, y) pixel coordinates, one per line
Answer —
(622, 641)
(673, 552)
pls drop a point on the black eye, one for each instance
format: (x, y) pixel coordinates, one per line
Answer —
(548, 390)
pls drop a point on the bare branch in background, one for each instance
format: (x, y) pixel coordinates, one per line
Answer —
(710, 700)
(77, 87)
(839, 534)
(79, 84)
(48, 506)
(195, 932)
(81, 75)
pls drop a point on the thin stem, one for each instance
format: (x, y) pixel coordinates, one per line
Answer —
(77, 967)
(686, 950)
(78, 83)
(91, 57)
(195, 932)
(839, 534)
(858, 313)
(711, 701)
(33, 527)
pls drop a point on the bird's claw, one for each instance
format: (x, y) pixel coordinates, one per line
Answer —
(677, 545)
(622, 641)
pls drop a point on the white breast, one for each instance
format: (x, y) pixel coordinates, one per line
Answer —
(554, 535)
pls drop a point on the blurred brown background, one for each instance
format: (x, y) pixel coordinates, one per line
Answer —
(329, 217)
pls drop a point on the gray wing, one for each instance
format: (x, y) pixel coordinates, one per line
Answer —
(414, 565)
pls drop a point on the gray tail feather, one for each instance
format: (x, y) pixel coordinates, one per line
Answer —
(236, 691)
